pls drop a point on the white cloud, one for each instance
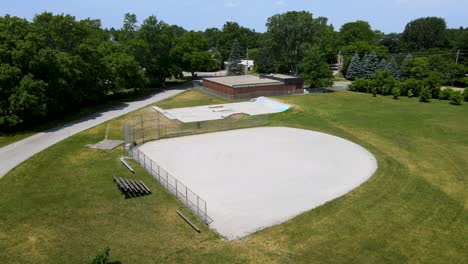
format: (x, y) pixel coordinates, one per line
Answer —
(231, 4)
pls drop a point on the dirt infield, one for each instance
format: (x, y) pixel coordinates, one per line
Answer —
(257, 177)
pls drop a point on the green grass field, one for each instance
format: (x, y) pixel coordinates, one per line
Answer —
(61, 206)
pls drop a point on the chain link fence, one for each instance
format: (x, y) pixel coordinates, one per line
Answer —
(146, 128)
(190, 199)
(155, 126)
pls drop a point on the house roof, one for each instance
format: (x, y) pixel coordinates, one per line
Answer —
(244, 81)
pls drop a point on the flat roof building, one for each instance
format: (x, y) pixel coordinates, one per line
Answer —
(249, 86)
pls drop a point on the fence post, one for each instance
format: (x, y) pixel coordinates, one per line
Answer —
(198, 206)
(176, 188)
(159, 126)
(167, 181)
(142, 128)
(205, 212)
(186, 197)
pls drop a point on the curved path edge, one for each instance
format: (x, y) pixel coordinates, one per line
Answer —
(15, 153)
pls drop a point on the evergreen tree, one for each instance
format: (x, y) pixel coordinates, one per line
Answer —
(354, 68)
(382, 66)
(234, 63)
(405, 66)
(369, 65)
(392, 66)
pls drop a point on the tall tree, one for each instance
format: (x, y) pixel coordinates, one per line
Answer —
(405, 65)
(315, 70)
(152, 48)
(354, 68)
(289, 32)
(234, 64)
(357, 31)
(28, 100)
(57, 64)
(190, 53)
(369, 65)
(130, 22)
(212, 35)
(392, 42)
(231, 31)
(129, 26)
(425, 33)
(382, 66)
(393, 67)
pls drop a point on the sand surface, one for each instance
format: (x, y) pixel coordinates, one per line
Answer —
(258, 177)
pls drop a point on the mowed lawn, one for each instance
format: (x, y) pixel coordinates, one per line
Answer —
(61, 205)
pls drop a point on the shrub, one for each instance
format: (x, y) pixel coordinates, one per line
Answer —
(465, 94)
(396, 92)
(411, 84)
(410, 93)
(434, 82)
(445, 94)
(374, 91)
(103, 257)
(456, 98)
(384, 82)
(425, 95)
(360, 85)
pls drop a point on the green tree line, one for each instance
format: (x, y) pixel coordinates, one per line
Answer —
(56, 64)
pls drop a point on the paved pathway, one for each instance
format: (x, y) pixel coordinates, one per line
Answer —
(15, 153)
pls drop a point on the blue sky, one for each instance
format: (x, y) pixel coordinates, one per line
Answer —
(386, 15)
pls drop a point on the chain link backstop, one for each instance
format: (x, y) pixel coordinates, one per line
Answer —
(144, 128)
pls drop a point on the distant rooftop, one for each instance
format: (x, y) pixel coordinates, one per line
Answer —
(243, 62)
(281, 76)
(243, 81)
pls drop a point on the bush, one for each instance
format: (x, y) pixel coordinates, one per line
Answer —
(411, 84)
(396, 93)
(425, 95)
(410, 93)
(445, 94)
(374, 91)
(360, 85)
(456, 98)
(384, 82)
(465, 94)
(103, 257)
(434, 82)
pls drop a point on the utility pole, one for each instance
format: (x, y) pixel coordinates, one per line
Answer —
(247, 59)
(456, 63)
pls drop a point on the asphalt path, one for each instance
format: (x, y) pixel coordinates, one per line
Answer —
(14, 154)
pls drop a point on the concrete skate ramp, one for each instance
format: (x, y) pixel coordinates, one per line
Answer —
(258, 106)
